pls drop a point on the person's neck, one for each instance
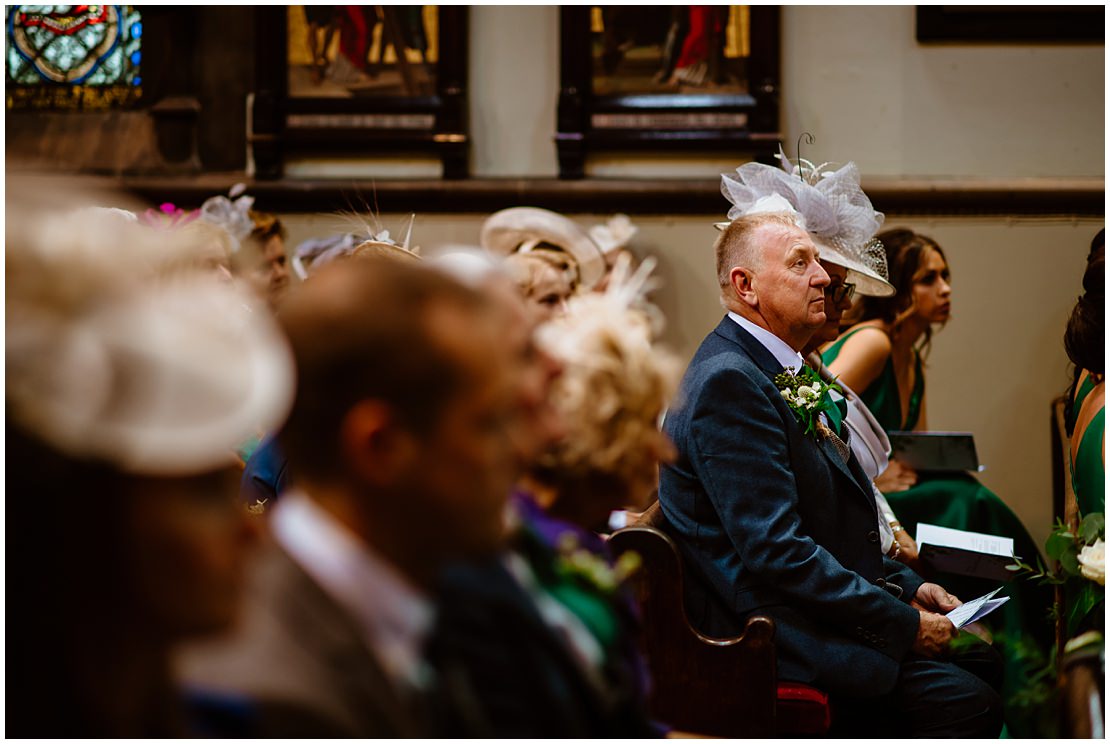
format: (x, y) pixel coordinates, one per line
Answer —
(419, 563)
(907, 334)
(796, 341)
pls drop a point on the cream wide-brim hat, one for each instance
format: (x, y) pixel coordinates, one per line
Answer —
(869, 282)
(506, 231)
(168, 380)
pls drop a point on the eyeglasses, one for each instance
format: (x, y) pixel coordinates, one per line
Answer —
(841, 292)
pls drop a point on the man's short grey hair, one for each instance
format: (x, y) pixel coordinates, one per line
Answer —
(737, 244)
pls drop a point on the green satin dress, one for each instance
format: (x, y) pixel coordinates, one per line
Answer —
(1088, 462)
(960, 501)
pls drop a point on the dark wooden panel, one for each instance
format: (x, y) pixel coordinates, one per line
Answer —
(1081, 197)
(1050, 24)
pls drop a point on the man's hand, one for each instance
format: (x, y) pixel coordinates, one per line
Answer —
(897, 477)
(933, 598)
(933, 634)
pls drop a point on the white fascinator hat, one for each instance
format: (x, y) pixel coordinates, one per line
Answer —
(154, 373)
(523, 229)
(829, 204)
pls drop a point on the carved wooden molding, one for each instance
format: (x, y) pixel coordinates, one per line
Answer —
(1079, 197)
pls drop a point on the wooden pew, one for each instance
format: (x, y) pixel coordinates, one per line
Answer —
(1082, 711)
(713, 686)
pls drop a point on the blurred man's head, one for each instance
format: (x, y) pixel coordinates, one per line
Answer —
(537, 423)
(403, 409)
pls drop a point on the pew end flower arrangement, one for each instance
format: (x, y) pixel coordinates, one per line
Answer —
(1077, 566)
(1078, 555)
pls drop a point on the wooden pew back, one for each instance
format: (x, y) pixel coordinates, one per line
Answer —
(715, 686)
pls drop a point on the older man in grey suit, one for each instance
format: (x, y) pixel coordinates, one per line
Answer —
(398, 439)
(778, 518)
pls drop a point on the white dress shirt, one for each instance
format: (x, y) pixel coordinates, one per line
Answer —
(394, 615)
(779, 349)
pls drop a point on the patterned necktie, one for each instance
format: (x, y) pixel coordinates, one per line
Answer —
(839, 444)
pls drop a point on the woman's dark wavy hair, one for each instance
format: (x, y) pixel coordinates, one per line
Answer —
(1085, 337)
(905, 254)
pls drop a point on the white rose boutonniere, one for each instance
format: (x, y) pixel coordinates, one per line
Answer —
(1092, 562)
(808, 397)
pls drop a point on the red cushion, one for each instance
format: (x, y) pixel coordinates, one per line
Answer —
(802, 710)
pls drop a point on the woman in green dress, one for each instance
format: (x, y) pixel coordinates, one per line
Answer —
(1084, 342)
(881, 358)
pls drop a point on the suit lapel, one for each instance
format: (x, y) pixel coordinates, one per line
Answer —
(765, 360)
(337, 638)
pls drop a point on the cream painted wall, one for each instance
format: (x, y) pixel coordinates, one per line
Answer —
(857, 79)
(993, 370)
(514, 89)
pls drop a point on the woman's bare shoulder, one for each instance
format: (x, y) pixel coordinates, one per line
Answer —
(862, 356)
(868, 340)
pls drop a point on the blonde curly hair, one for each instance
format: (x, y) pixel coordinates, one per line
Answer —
(615, 384)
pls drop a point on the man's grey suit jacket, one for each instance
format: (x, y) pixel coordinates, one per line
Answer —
(300, 661)
(773, 521)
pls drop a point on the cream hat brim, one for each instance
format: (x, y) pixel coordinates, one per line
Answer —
(385, 250)
(868, 282)
(167, 381)
(505, 231)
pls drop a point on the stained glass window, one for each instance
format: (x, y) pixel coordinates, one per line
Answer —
(73, 56)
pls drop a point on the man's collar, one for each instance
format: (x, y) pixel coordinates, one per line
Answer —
(779, 349)
(394, 614)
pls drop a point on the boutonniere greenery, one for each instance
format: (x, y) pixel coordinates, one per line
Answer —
(591, 569)
(808, 397)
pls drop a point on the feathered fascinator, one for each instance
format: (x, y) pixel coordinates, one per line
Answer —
(233, 216)
(614, 235)
(167, 217)
(616, 381)
(313, 254)
(829, 204)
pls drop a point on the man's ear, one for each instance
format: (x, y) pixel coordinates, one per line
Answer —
(742, 280)
(376, 448)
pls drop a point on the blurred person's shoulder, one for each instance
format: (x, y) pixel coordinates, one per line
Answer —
(296, 658)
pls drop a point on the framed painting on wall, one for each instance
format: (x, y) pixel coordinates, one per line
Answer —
(667, 78)
(385, 78)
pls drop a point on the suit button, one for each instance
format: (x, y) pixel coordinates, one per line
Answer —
(881, 583)
(873, 536)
